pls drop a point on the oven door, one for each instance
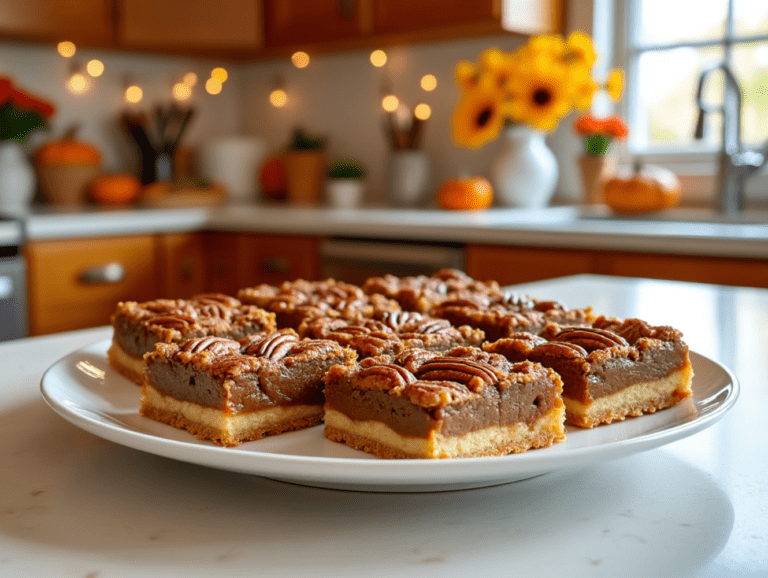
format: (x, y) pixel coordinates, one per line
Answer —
(355, 260)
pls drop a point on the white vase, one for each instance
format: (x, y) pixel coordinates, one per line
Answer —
(409, 177)
(524, 175)
(17, 177)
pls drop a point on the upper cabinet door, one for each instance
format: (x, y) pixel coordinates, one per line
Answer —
(396, 16)
(225, 26)
(304, 22)
(87, 22)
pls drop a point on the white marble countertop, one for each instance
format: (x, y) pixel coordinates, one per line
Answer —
(680, 232)
(74, 505)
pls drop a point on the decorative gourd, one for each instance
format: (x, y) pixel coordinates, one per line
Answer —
(118, 189)
(465, 194)
(67, 151)
(648, 188)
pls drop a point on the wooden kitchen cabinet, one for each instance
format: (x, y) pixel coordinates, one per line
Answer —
(273, 259)
(298, 22)
(180, 265)
(226, 27)
(349, 24)
(509, 265)
(238, 260)
(431, 19)
(87, 22)
(76, 283)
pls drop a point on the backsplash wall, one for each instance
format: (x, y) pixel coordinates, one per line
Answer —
(339, 96)
(40, 70)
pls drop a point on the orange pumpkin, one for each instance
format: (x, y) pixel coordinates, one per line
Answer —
(648, 188)
(118, 189)
(465, 194)
(68, 151)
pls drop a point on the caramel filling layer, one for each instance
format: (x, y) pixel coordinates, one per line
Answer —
(376, 437)
(634, 400)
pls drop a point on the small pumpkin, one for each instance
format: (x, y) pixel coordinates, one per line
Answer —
(465, 194)
(119, 189)
(68, 151)
(648, 188)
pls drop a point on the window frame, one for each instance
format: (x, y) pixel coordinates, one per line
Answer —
(696, 160)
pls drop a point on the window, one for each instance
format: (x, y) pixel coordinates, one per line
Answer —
(668, 43)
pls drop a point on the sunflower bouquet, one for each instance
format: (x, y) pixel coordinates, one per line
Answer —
(537, 85)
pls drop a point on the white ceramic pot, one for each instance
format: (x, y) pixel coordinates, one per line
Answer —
(233, 162)
(524, 175)
(17, 177)
(344, 193)
(409, 176)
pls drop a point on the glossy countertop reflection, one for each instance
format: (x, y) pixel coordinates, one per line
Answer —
(72, 504)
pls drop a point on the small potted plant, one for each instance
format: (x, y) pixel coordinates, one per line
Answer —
(304, 163)
(596, 166)
(344, 185)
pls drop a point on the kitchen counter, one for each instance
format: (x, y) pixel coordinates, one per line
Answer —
(567, 227)
(75, 505)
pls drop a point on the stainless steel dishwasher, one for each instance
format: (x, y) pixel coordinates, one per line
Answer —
(354, 260)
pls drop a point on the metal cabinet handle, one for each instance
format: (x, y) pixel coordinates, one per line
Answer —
(275, 264)
(109, 273)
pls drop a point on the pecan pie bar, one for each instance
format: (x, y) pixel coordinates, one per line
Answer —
(421, 293)
(423, 404)
(611, 370)
(394, 333)
(230, 392)
(139, 326)
(501, 316)
(294, 301)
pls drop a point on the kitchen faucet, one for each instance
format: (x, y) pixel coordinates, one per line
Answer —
(735, 165)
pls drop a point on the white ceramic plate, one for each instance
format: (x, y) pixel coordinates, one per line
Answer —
(86, 391)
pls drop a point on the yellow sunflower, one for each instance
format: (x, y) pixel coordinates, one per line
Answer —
(465, 74)
(542, 94)
(581, 50)
(614, 86)
(478, 117)
(549, 45)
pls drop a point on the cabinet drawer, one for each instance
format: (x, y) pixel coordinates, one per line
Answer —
(77, 283)
(276, 258)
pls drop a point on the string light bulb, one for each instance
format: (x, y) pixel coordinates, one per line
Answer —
(390, 103)
(134, 94)
(213, 86)
(67, 49)
(428, 82)
(300, 59)
(219, 74)
(181, 91)
(278, 98)
(378, 58)
(422, 111)
(190, 79)
(95, 67)
(78, 83)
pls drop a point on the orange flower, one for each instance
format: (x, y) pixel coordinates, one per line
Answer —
(616, 127)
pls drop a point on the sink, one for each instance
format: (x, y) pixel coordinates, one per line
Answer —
(679, 214)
